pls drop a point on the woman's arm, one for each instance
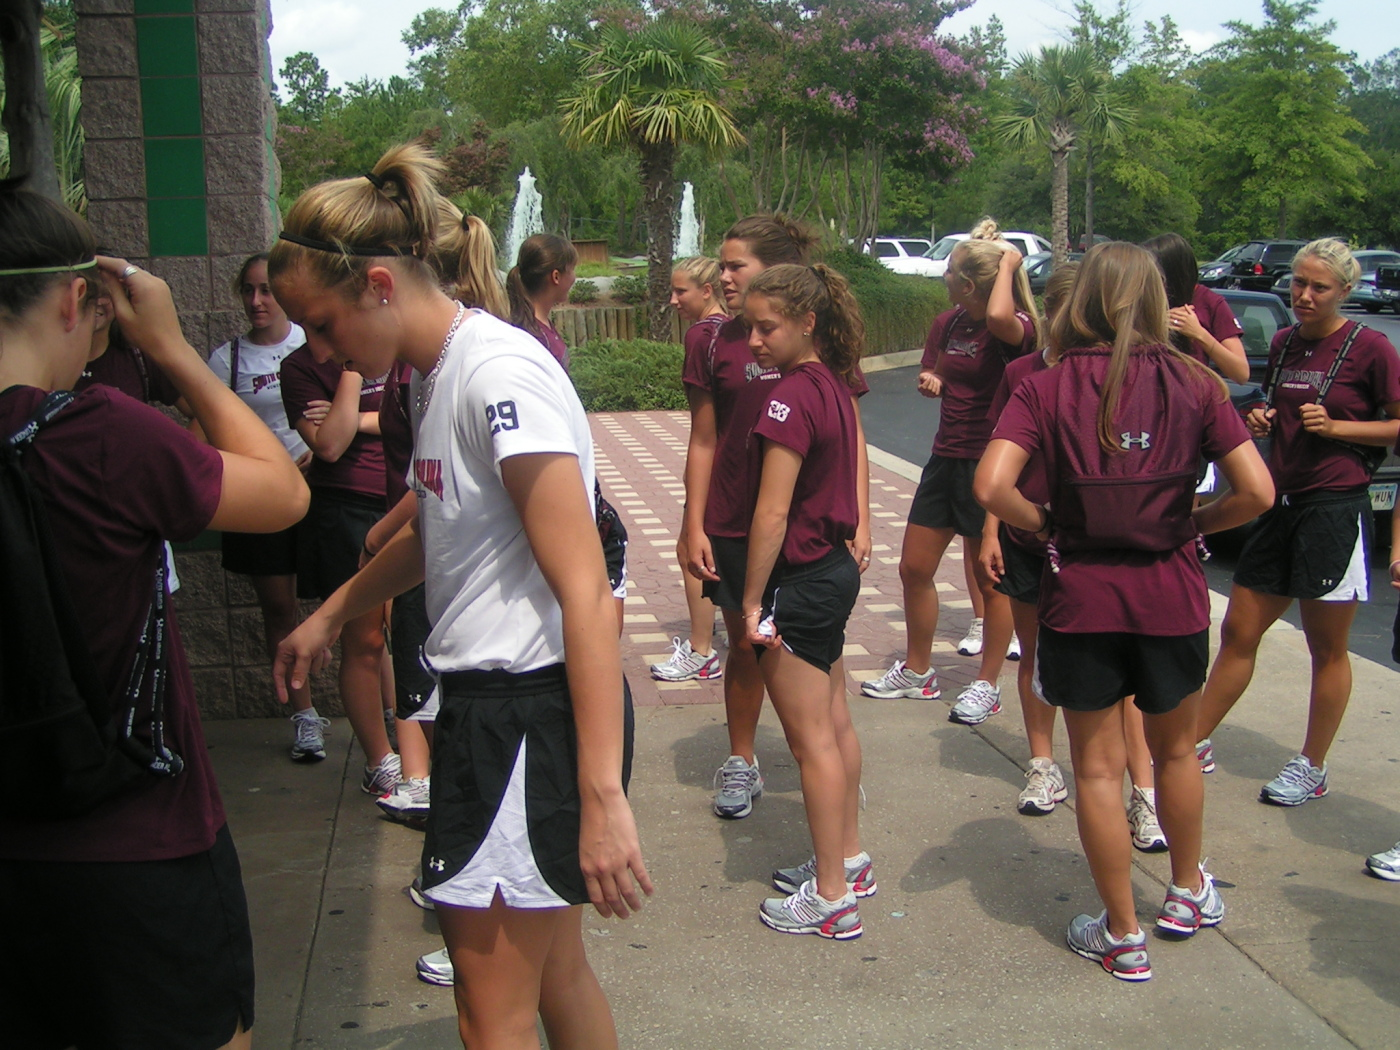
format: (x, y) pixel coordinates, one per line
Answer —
(1227, 354)
(699, 465)
(1002, 321)
(1251, 491)
(548, 492)
(769, 529)
(329, 439)
(990, 553)
(860, 546)
(994, 486)
(383, 530)
(262, 490)
(1357, 431)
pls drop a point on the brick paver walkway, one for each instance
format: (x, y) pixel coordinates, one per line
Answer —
(641, 464)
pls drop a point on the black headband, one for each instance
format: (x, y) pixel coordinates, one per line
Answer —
(363, 250)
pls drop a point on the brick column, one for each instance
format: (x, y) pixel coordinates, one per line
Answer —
(178, 115)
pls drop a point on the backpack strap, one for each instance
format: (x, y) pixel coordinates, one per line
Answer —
(1356, 327)
(53, 403)
(233, 364)
(1271, 380)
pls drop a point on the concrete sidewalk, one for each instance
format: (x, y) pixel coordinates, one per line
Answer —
(963, 943)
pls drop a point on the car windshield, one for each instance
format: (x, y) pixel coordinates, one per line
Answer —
(943, 248)
(1230, 254)
(1370, 260)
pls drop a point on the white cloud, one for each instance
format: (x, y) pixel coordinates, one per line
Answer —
(352, 38)
(1199, 41)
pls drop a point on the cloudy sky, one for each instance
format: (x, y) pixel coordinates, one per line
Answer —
(355, 38)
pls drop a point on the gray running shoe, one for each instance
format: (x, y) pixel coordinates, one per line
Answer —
(806, 912)
(1183, 912)
(1126, 959)
(1205, 755)
(860, 877)
(1142, 819)
(435, 968)
(685, 664)
(407, 802)
(417, 896)
(1298, 781)
(310, 742)
(736, 785)
(977, 703)
(900, 683)
(971, 643)
(381, 779)
(1045, 788)
(1385, 865)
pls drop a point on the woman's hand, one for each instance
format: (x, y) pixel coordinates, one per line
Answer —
(304, 462)
(1260, 421)
(144, 307)
(930, 384)
(316, 411)
(990, 558)
(860, 547)
(610, 856)
(1395, 575)
(307, 650)
(1183, 319)
(1317, 421)
(699, 556)
(761, 631)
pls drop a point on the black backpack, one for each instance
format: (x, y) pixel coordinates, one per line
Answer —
(57, 725)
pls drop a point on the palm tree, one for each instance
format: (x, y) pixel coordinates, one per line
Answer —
(654, 90)
(1057, 96)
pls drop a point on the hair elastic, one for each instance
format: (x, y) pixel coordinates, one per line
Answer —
(364, 250)
(377, 180)
(19, 271)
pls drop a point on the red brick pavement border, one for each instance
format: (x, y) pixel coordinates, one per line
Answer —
(641, 464)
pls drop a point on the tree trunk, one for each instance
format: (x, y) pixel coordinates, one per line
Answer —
(659, 205)
(1088, 194)
(26, 118)
(1059, 207)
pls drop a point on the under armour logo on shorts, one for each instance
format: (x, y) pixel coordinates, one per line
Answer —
(779, 411)
(1141, 441)
(437, 864)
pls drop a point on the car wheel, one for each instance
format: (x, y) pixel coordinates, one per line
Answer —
(1371, 308)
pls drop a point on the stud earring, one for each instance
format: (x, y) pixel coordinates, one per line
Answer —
(383, 302)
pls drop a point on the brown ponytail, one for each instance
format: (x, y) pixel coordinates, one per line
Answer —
(538, 257)
(796, 291)
(774, 239)
(394, 207)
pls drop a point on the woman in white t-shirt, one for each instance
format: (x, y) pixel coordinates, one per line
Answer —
(249, 364)
(524, 636)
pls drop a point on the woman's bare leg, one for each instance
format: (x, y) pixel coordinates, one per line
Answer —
(1038, 716)
(919, 559)
(743, 688)
(361, 683)
(702, 615)
(849, 745)
(1096, 746)
(996, 614)
(1326, 626)
(277, 597)
(1180, 789)
(1249, 615)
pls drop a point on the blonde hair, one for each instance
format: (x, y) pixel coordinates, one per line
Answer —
(1057, 289)
(798, 290)
(1333, 254)
(977, 261)
(393, 208)
(1119, 300)
(464, 256)
(701, 269)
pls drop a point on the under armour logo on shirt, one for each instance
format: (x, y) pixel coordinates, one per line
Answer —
(1141, 441)
(779, 411)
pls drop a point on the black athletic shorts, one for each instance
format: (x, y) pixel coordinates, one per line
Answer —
(330, 539)
(1091, 672)
(125, 955)
(1304, 545)
(944, 500)
(810, 605)
(1021, 579)
(614, 537)
(732, 566)
(484, 719)
(251, 554)
(408, 630)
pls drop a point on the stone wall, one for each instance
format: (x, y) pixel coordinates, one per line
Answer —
(178, 116)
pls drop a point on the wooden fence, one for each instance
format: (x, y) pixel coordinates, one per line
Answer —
(886, 333)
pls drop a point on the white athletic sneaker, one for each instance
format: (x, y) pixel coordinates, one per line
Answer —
(977, 703)
(736, 785)
(407, 802)
(310, 729)
(435, 968)
(1045, 788)
(901, 683)
(1013, 650)
(686, 664)
(1142, 819)
(971, 644)
(381, 779)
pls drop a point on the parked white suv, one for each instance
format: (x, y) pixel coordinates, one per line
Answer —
(1027, 243)
(903, 255)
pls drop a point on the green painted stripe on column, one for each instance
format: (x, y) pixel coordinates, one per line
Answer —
(171, 106)
(175, 167)
(178, 227)
(167, 47)
(165, 7)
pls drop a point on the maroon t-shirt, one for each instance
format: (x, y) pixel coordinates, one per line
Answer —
(1032, 482)
(970, 361)
(809, 411)
(1368, 379)
(132, 372)
(396, 433)
(1216, 317)
(360, 467)
(118, 480)
(1160, 593)
(739, 387)
(554, 343)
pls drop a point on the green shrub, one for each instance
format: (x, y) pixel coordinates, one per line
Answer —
(583, 292)
(898, 310)
(630, 288)
(628, 375)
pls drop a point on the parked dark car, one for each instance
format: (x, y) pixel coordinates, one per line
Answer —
(1376, 288)
(1037, 268)
(1261, 315)
(1252, 266)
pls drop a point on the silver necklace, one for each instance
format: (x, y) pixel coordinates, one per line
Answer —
(425, 390)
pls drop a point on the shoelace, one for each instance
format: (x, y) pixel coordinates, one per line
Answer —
(1296, 773)
(983, 695)
(308, 729)
(727, 777)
